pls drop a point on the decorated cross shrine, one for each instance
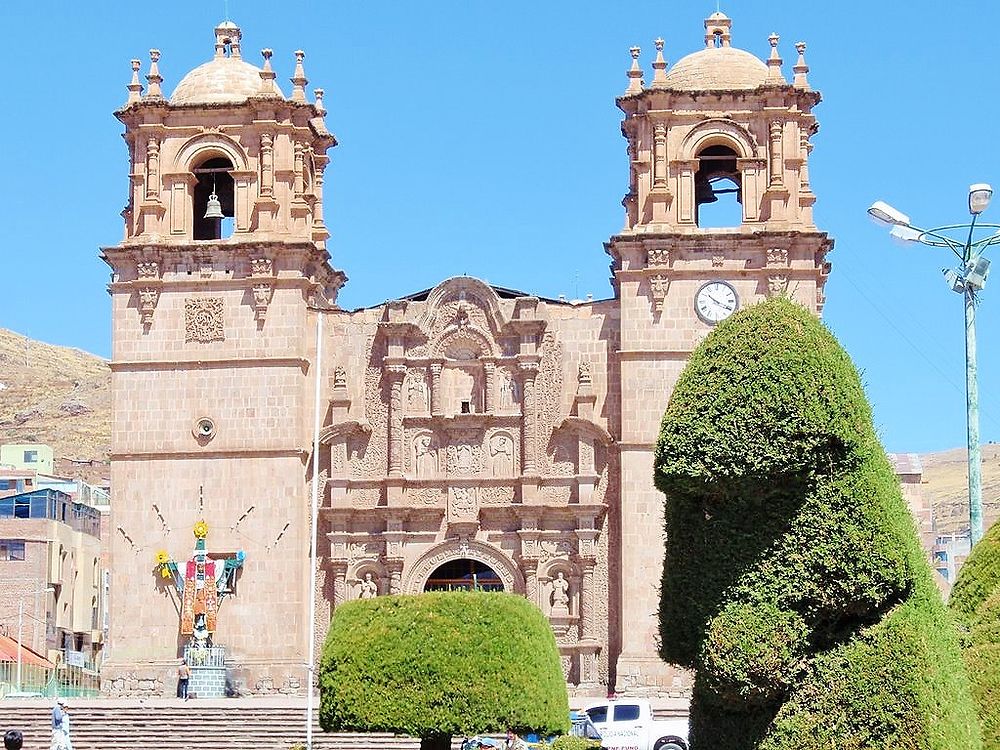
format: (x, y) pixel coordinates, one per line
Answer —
(202, 585)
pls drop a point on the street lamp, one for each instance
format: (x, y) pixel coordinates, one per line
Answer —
(968, 279)
(20, 625)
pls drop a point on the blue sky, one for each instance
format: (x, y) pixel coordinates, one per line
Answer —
(483, 138)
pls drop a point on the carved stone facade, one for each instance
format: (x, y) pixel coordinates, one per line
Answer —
(470, 435)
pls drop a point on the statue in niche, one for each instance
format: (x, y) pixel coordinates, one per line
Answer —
(369, 587)
(506, 389)
(424, 456)
(502, 453)
(417, 394)
(560, 594)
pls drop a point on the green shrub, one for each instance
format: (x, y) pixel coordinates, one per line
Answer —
(793, 581)
(569, 742)
(976, 602)
(442, 664)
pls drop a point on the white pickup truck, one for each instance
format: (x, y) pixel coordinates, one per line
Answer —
(628, 724)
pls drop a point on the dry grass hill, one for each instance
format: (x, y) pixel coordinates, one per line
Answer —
(58, 396)
(62, 397)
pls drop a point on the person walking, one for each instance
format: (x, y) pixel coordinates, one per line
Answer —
(60, 726)
(183, 677)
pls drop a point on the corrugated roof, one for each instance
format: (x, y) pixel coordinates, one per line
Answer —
(8, 652)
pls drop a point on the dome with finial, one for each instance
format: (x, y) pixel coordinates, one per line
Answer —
(226, 79)
(718, 67)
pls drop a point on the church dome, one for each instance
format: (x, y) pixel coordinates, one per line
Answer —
(717, 69)
(226, 79)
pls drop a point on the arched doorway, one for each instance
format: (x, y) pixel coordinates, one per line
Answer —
(464, 574)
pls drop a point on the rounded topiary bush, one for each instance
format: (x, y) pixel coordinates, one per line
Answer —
(976, 602)
(442, 664)
(794, 584)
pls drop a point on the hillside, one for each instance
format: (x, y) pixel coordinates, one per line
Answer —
(946, 482)
(58, 396)
(62, 397)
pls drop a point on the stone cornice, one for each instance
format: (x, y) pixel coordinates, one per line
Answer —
(161, 455)
(138, 365)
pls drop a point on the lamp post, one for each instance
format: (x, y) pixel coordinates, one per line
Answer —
(20, 626)
(968, 279)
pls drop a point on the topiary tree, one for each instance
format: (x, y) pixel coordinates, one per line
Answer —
(975, 600)
(442, 664)
(793, 583)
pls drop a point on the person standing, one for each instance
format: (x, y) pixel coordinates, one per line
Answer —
(60, 726)
(183, 677)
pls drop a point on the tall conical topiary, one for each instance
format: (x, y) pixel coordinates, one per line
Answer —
(442, 664)
(794, 584)
(975, 600)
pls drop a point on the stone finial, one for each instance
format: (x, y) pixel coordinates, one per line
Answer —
(718, 30)
(134, 87)
(634, 73)
(154, 78)
(659, 64)
(267, 75)
(801, 70)
(774, 74)
(227, 39)
(319, 101)
(299, 80)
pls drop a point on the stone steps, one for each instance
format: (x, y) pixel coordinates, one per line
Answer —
(161, 724)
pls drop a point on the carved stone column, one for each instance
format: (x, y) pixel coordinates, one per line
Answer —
(395, 567)
(660, 155)
(588, 618)
(490, 370)
(338, 569)
(777, 160)
(153, 171)
(436, 389)
(266, 165)
(528, 411)
(396, 373)
(299, 183)
(530, 568)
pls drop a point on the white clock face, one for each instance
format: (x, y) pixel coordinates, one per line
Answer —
(716, 301)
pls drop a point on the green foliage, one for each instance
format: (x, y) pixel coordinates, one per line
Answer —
(979, 577)
(569, 742)
(976, 602)
(439, 664)
(793, 582)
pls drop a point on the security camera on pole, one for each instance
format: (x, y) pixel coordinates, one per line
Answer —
(968, 279)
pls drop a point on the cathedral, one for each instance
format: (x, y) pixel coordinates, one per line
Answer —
(465, 436)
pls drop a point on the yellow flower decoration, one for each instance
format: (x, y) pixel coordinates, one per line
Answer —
(165, 572)
(162, 557)
(201, 529)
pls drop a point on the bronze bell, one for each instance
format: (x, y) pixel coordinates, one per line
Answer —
(214, 208)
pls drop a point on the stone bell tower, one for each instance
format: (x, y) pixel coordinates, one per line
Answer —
(214, 288)
(719, 122)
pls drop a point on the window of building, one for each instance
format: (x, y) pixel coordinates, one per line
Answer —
(31, 457)
(214, 178)
(11, 550)
(718, 192)
(6, 484)
(464, 575)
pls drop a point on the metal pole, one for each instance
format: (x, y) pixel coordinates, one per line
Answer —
(20, 623)
(972, 406)
(314, 532)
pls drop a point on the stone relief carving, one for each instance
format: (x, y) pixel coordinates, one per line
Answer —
(718, 261)
(203, 319)
(548, 392)
(149, 269)
(261, 267)
(502, 455)
(426, 496)
(508, 389)
(370, 458)
(262, 294)
(339, 377)
(657, 256)
(776, 285)
(148, 297)
(556, 494)
(365, 497)
(417, 394)
(501, 495)
(465, 454)
(659, 284)
(553, 548)
(777, 256)
(362, 550)
(463, 505)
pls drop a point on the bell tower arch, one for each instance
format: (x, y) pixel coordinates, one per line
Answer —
(720, 124)
(215, 287)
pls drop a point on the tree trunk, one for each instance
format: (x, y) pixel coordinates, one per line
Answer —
(437, 742)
